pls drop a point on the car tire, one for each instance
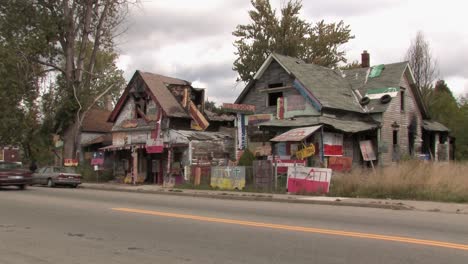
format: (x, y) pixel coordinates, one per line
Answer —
(50, 183)
(22, 187)
(74, 185)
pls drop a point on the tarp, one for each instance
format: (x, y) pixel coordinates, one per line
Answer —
(296, 134)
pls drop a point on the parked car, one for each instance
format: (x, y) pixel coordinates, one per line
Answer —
(52, 176)
(12, 174)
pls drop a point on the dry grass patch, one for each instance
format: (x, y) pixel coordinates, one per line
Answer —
(408, 180)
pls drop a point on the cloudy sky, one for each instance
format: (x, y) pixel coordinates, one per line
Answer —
(192, 40)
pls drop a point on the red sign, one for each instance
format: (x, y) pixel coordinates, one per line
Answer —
(70, 162)
(280, 110)
(239, 108)
(154, 146)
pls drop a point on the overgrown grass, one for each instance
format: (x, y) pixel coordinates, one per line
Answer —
(413, 180)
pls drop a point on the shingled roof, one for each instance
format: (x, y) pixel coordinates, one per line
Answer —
(327, 85)
(96, 121)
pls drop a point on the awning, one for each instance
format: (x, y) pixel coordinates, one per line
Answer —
(122, 147)
(350, 126)
(297, 134)
(434, 126)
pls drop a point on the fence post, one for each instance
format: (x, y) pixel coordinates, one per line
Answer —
(276, 175)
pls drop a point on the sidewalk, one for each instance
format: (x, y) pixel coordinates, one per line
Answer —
(458, 208)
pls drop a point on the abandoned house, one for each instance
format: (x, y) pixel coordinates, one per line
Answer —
(352, 116)
(160, 128)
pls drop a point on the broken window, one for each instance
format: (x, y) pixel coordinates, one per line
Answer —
(273, 98)
(402, 101)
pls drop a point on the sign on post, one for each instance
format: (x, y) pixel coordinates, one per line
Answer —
(98, 158)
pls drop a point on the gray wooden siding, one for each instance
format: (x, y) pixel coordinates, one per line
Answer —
(274, 74)
(403, 119)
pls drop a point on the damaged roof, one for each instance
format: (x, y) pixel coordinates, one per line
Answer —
(185, 136)
(219, 117)
(390, 76)
(157, 84)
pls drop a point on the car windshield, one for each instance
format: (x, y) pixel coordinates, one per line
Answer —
(9, 165)
(67, 169)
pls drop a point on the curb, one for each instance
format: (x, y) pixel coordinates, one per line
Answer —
(252, 197)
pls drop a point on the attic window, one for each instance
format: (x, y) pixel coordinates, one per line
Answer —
(376, 71)
(275, 85)
(273, 98)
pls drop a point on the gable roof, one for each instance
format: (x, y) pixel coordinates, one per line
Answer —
(156, 85)
(96, 121)
(327, 85)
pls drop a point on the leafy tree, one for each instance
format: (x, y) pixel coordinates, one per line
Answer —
(288, 35)
(71, 38)
(444, 108)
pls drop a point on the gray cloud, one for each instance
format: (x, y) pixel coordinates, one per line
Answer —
(345, 8)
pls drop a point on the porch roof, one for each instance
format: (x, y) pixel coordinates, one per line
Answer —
(434, 126)
(350, 126)
(296, 134)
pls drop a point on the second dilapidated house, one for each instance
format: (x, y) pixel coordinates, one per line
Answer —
(377, 110)
(160, 127)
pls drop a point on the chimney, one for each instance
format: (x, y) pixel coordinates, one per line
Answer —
(365, 59)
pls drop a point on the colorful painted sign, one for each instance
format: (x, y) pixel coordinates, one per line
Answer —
(98, 158)
(254, 120)
(367, 150)
(306, 152)
(308, 180)
(239, 108)
(70, 162)
(154, 146)
(296, 134)
(227, 177)
(332, 144)
(378, 93)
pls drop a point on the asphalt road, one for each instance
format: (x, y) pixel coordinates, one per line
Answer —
(61, 225)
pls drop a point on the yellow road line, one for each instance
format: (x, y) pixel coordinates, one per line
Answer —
(300, 228)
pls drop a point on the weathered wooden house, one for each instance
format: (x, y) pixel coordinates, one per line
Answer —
(378, 108)
(160, 127)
